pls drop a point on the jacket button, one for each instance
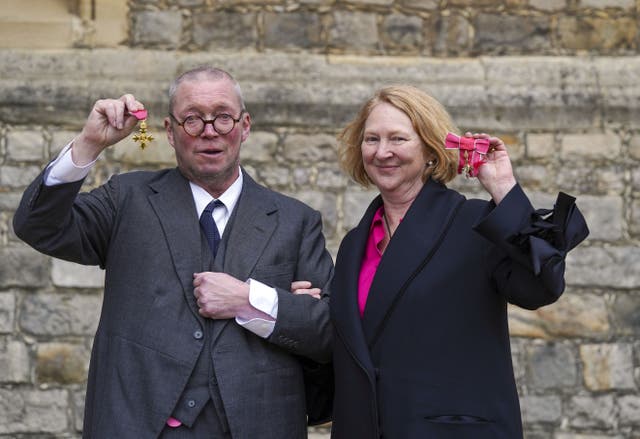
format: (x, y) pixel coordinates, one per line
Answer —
(191, 403)
(197, 335)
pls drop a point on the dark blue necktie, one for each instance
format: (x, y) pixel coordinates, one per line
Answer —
(209, 226)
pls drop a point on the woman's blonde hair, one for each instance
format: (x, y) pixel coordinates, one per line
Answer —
(429, 118)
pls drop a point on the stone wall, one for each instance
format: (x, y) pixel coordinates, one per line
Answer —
(558, 80)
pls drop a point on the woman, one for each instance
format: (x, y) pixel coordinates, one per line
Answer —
(422, 284)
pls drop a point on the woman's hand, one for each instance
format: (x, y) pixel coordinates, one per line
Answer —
(304, 287)
(496, 173)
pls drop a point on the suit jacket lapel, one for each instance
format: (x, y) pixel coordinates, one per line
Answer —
(173, 203)
(416, 235)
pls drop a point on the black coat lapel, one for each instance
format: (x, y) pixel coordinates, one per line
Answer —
(420, 230)
(344, 289)
(173, 204)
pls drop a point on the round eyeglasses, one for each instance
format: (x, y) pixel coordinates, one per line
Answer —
(223, 123)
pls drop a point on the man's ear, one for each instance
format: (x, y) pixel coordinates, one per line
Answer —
(246, 126)
(169, 129)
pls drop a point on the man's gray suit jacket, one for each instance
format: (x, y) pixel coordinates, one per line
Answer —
(142, 228)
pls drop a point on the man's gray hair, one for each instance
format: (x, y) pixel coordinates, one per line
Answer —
(210, 72)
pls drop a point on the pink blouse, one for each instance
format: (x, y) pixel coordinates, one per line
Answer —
(371, 259)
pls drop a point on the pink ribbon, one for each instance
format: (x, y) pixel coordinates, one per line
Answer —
(140, 114)
(472, 153)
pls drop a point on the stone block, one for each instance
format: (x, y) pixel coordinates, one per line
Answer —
(548, 5)
(354, 32)
(591, 146)
(331, 178)
(450, 34)
(259, 147)
(292, 30)
(634, 146)
(9, 201)
(324, 202)
(60, 314)
(225, 30)
(402, 32)
(551, 366)
(62, 363)
(25, 145)
(7, 312)
(540, 145)
(520, 34)
(274, 176)
(33, 411)
(157, 28)
(591, 178)
(546, 409)
(625, 314)
(596, 33)
(72, 275)
(604, 216)
(573, 315)
(78, 408)
(14, 362)
(602, 4)
(532, 176)
(634, 223)
(629, 410)
(597, 412)
(59, 140)
(607, 367)
(356, 201)
(614, 267)
(310, 149)
(23, 267)
(18, 177)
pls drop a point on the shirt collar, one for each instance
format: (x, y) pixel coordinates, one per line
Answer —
(229, 197)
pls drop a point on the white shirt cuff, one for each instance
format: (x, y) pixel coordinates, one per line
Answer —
(63, 170)
(263, 298)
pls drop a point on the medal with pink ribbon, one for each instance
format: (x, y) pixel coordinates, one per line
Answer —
(142, 137)
(472, 153)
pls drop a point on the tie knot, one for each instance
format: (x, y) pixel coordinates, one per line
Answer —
(212, 205)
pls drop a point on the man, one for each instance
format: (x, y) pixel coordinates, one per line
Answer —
(199, 336)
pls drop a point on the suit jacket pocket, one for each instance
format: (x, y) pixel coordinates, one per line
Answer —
(277, 275)
(455, 427)
(456, 419)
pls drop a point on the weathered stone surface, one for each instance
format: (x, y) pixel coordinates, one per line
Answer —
(601, 4)
(594, 179)
(225, 30)
(607, 366)
(14, 362)
(39, 411)
(587, 33)
(625, 313)
(25, 146)
(451, 34)
(60, 314)
(7, 312)
(604, 216)
(310, 149)
(594, 146)
(573, 315)
(608, 266)
(591, 411)
(21, 266)
(541, 145)
(548, 5)
(629, 410)
(69, 274)
(403, 32)
(61, 363)
(326, 203)
(300, 30)
(528, 33)
(355, 31)
(17, 177)
(159, 28)
(356, 201)
(259, 147)
(158, 153)
(541, 408)
(551, 366)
